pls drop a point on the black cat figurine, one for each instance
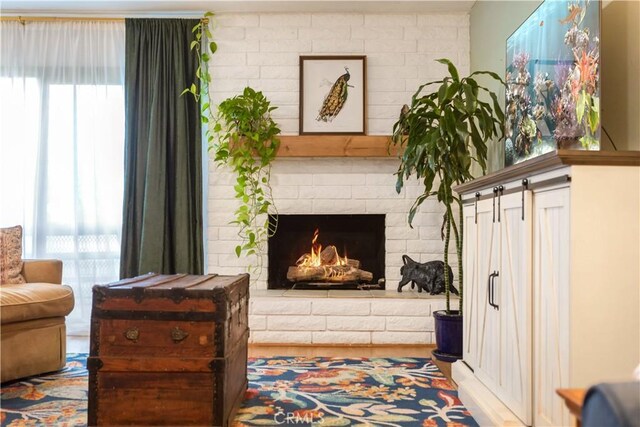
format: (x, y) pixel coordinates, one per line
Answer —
(428, 276)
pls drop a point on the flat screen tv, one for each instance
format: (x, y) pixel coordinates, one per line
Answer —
(553, 81)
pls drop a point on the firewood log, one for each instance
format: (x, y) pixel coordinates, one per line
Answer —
(303, 259)
(333, 273)
(329, 255)
(355, 263)
(305, 274)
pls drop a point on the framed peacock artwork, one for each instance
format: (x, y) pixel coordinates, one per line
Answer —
(332, 95)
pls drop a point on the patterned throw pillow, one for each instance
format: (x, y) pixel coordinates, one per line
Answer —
(11, 255)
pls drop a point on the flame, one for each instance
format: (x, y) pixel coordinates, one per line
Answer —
(316, 247)
(314, 258)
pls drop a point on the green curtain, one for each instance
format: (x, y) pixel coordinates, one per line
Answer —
(162, 213)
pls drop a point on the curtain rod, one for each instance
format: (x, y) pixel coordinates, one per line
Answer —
(25, 19)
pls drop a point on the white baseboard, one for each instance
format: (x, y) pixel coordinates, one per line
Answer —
(484, 406)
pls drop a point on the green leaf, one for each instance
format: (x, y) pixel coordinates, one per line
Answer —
(580, 104)
(452, 69)
(594, 114)
(451, 90)
(238, 250)
(442, 92)
(489, 73)
(470, 99)
(496, 107)
(213, 47)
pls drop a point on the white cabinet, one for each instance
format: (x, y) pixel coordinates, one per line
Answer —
(498, 287)
(551, 292)
(551, 298)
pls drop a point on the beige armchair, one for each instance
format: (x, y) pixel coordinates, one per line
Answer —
(32, 321)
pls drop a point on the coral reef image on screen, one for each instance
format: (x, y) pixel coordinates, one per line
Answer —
(553, 81)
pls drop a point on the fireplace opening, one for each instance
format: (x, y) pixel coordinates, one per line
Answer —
(327, 252)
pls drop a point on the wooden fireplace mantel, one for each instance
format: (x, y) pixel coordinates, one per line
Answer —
(336, 146)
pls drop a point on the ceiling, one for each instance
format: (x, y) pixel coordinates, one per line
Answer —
(196, 7)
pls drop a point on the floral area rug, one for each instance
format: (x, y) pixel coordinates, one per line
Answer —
(282, 391)
(58, 399)
(350, 392)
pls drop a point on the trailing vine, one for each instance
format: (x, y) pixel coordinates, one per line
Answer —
(247, 142)
(242, 136)
(204, 47)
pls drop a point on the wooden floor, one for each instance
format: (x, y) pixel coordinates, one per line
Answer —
(264, 350)
(80, 344)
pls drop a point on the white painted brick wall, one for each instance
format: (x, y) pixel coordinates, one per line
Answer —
(296, 323)
(339, 307)
(335, 186)
(355, 323)
(262, 50)
(343, 320)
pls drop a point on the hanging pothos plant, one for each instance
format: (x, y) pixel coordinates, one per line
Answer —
(243, 136)
(247, 142)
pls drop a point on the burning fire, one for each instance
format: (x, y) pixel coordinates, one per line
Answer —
(319, 258)
(327, 266)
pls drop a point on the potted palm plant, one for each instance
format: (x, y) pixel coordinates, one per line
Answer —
(441, 134)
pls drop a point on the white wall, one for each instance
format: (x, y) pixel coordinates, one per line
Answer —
(620, 57)
(262, 50)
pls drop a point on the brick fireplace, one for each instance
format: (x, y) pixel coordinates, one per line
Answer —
(336, 186)
(262, 50)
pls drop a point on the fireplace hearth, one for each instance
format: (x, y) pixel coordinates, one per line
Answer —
(327, 252)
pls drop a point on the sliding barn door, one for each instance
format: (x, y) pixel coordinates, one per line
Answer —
(488, 361)
(513, 291)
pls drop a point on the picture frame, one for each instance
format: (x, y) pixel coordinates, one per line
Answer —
(333, 95)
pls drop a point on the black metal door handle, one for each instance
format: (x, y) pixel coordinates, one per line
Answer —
(493, 283)
(489, 289)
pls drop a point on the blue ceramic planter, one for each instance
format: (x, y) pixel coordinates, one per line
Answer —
(448, 335)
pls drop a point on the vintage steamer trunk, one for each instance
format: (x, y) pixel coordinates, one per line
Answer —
(168, 350)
